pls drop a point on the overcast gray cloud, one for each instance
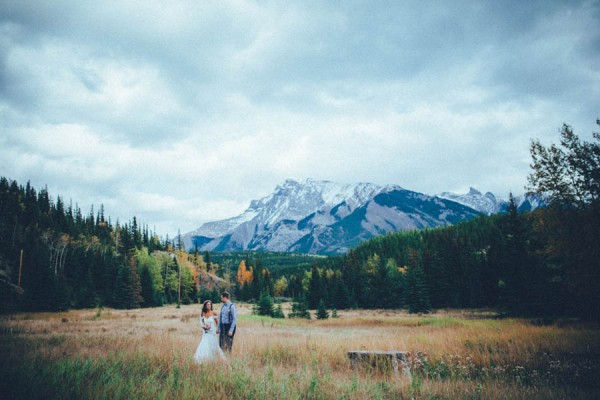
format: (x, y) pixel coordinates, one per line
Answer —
(182, 113)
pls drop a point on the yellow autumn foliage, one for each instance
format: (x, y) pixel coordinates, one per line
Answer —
(244, 274)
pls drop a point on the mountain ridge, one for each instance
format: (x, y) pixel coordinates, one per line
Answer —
(324, 217)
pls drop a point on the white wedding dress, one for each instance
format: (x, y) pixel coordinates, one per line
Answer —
(208, 349)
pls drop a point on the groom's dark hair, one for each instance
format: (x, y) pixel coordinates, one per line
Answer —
(225, 294)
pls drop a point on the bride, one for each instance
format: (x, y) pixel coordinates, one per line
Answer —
(208, 349)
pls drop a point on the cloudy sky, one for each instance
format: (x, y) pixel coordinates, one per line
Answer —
(182, 114)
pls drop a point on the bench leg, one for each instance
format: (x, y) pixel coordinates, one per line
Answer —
(395, 365)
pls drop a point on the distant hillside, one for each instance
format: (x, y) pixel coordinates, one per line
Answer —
(277, 262)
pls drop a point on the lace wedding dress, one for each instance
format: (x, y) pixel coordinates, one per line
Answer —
(208, 349)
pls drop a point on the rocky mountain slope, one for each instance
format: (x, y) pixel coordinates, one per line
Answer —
(328, 217)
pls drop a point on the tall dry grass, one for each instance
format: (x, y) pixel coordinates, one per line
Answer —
(148, 354)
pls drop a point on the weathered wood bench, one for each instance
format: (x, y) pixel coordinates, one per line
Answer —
(396, 361)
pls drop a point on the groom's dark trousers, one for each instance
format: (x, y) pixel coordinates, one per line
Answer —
(226, 341)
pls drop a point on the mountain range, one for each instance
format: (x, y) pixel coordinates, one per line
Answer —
(325, 217)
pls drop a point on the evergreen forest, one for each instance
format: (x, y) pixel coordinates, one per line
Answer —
(540, 263)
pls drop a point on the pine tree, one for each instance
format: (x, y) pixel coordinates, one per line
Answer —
(265, 305)
(417, 296)
(246, 292)
(123, 288)
(268, 284)
(147, 289)
(377, 277)
(517, 267)
(300, 308)
(321, 311)
(136, 285)
(315, 288)
(278, 312)
(344, 299)
(207, 261)
(354, 277)
(257, 283)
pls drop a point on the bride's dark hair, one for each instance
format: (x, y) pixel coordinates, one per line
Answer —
(205, 306)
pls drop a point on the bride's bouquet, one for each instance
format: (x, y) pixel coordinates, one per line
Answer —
(205, 325)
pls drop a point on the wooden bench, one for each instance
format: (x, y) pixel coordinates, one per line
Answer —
(396, 361)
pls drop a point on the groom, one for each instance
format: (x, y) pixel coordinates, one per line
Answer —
(227, 323)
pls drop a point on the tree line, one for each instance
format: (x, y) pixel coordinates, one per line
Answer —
(53, 257)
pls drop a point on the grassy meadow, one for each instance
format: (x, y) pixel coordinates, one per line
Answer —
(147, 354)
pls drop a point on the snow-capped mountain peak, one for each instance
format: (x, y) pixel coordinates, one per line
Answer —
(487, 204)
(293, 200)
(324, 216)
(328, 217)
(490, 204)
